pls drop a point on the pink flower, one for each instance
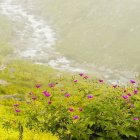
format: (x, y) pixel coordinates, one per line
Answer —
(135, 119)
(89, 96)
(51, 85)
(80, 109)
(75, 117)
(75, 81)
(17, 110)
(38, 86)
(86, 77)
(101, 81)
(132, 82)
(129, 94)
(67, 95)
(135, 91)
(125, 96)
(81, 74)
(71, 109)
(47, 94)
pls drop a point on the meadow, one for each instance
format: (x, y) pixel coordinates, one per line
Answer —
(40, 102)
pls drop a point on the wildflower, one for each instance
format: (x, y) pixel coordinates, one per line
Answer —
(135, 91)
(101, 81)
(17, 110)
(16, 105)
(75, 117)
(47, 94)
(125, 96)
(51, 85)
(75, 81)
(67, 95)
(135, 119)
(89, 96)
(80, 109)
(71, 109)
(81, 74)
(86, 77)
(49, 102)
(38, 86)
(129, 94)
(132, 82)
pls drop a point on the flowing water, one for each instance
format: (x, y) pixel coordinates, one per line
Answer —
(34, 37)
(99, 36)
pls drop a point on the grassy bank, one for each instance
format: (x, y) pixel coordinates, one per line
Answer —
(69, 106)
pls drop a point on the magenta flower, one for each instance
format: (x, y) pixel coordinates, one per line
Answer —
(89, 96)
(47, 94)
(80, 109)
(71, 109)
(67, 95)
(75, 117)
(17, 110)
(81, 74)
(125, 96)
(38, 86)
(129, 94)
(86, 77)
(75, 81)
(51, 85)
(132, 82)
(135, 91)
(49, 102)
(16, 105)
(101, 81)
(135, 119)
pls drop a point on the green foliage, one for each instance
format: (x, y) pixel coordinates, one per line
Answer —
(82, 110)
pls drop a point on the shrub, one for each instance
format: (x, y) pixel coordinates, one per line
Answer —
(82, 109)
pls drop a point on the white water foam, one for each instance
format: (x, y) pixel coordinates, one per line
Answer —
(36, 38)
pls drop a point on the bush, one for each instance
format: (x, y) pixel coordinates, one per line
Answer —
(81, 108)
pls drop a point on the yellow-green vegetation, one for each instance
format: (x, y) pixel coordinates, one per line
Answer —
(20, 77)
(7, 133)
(75, 107)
